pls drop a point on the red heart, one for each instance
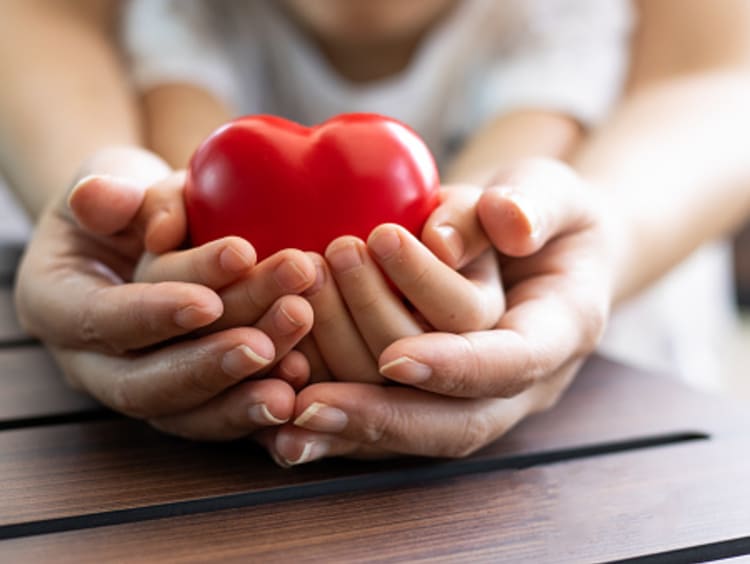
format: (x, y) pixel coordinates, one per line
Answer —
(281, 185)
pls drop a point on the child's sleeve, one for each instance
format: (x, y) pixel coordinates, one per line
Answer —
(572, 57)
(177, 41)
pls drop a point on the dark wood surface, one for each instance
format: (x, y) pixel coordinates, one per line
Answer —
(595, 509)
(628, 464)
(31, 387)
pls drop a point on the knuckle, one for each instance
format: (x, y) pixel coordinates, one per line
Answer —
(88, 326)
(381, 421)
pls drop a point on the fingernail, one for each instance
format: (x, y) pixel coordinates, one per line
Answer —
(406, 370)
(110, 179)
(345, 257)
(232, 260)
(525, 208)
(285, 322)
(323, 418)
(242, 360)
(452, 241)
(192, 317)
(385, 243)
(260, 415)
(85, 180)
(312, 450)
(290, 277)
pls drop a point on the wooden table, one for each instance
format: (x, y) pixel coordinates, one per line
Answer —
(628, 465)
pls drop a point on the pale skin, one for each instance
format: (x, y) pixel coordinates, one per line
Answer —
(684, 110)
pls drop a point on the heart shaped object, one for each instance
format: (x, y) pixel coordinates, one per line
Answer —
(281, 185)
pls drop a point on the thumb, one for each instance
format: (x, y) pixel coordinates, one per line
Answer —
(111, 188)
(535, 203)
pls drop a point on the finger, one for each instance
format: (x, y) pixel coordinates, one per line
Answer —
(127, 316)
(162, 218)
(380, 316)
(215, 264)
(340, 347)
(318, 369)
(287, 272)
(502, 362)
(286, 322)
(120, 197)
(532, 205)
(447, 299)
(172, 379)
(113, 179)
(453, 231)
(395, 419)
(294, 369)
(238, 412)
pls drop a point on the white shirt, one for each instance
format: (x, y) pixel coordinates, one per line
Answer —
(489, 57)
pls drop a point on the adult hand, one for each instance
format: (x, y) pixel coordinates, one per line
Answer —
(124, 342)
(461, 391)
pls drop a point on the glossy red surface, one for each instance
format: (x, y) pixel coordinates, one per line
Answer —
(279, 184)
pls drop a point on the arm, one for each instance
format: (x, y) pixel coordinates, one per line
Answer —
(168, 133)
(67, 97)
(675, 154)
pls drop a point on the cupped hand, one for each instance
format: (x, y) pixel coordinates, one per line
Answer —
(370, 294)
(459, 392)
(126, 343)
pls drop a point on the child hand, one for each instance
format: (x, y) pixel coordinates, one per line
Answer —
(465, 391)
(357, 315)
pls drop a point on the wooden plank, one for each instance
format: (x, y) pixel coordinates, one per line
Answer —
(10, 330)
(69, 470)
(31, 386)
(620, 506)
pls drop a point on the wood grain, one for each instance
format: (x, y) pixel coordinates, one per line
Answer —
(31, 386)
(588, 510)
(67, 470)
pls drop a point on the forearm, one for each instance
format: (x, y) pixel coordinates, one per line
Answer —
(167, 130)
(67, 96)
(512, 138)
(676, 169)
